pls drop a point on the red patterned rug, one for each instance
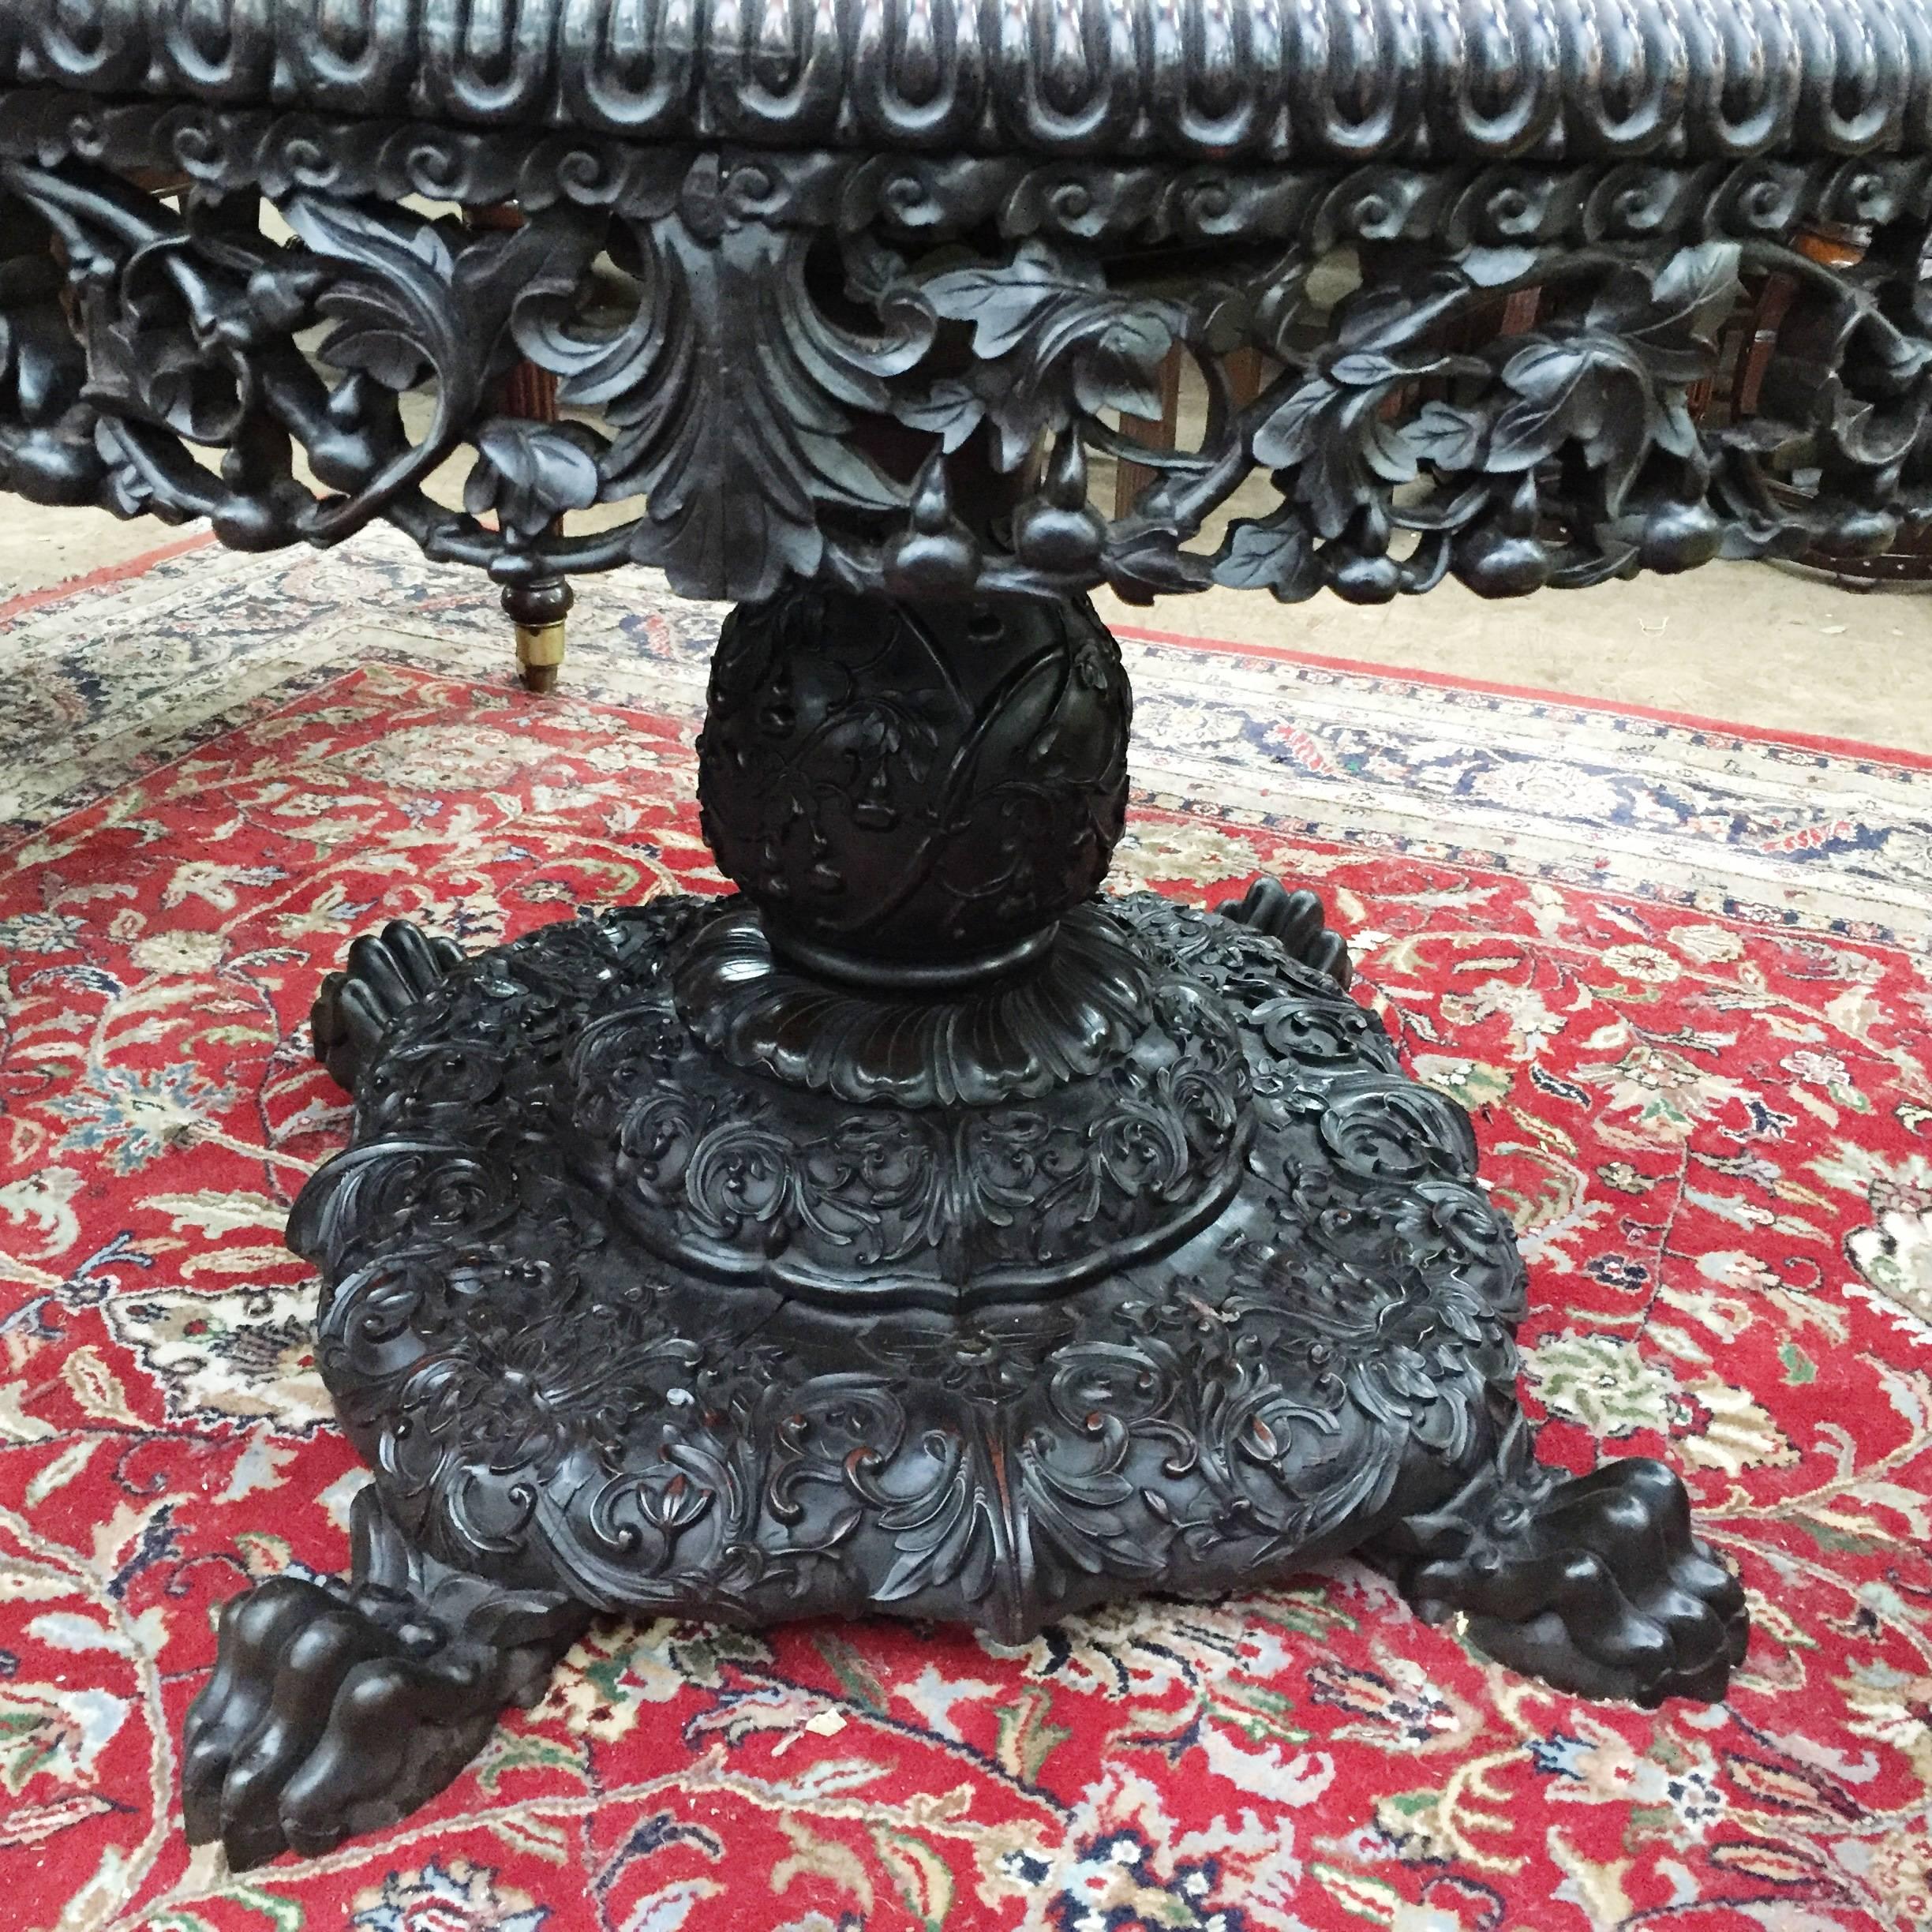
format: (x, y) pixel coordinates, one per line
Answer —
(1679, 975)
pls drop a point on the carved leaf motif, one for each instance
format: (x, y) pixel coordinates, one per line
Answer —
(126, 260)
(1499, 267)
(392, 319)
(1275, 556)
(1615, 388)
(952, 411)
(1053, 343)
(1148, 565)
(1333, 435)
(1332, 428)
(1005, 304)
(490, 1342)
(1596, 392)
(531, 472)
(1682, 305)
(408, 300)
(944, 1533)
(734, 396)
(1450, 438)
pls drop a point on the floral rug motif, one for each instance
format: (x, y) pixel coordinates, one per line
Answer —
(1678, 974)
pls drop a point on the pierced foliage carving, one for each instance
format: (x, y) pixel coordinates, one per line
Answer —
(898, 374)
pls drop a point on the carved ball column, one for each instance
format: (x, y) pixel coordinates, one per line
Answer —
(912, 796)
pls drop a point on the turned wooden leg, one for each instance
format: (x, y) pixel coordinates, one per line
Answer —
(537, 609)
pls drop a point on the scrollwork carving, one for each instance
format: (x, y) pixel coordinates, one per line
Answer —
(923, 1202)
(896, 374)
(919, 1231)
(543, 1397)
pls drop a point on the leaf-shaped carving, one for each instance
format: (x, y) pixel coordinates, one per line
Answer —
(1677, 310)
(1334, 435)
(1150, 563)
(1594, 390)
(1615, 387)
(1276, 555)
(409, 299)
(145, 304)
(1051, 343)
(1448, 437)
(1333, 429)
(532, 473)
(734, 395)
(945, 1531)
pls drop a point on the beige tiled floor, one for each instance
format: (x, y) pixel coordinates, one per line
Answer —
(1740, 643)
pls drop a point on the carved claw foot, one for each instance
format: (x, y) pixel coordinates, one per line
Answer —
(387, 973)
(337, 1708)
(1298, 921)
(1594, 1583)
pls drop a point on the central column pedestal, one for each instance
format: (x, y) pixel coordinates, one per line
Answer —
(916, 1232)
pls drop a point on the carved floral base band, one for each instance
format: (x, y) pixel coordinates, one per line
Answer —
(921, 1230)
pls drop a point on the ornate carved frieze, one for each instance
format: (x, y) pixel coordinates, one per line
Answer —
(897, 373)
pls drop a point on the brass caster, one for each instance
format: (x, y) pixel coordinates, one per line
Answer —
(539, 610)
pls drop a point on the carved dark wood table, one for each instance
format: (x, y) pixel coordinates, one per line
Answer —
(922, 1231)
